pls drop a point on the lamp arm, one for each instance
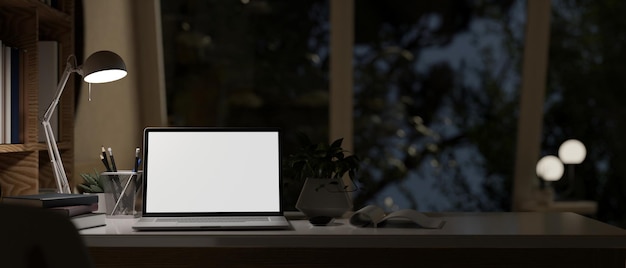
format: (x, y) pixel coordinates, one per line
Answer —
(55, 159)
(69, 69)
(53, 150)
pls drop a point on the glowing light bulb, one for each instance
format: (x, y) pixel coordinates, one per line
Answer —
(550, 168)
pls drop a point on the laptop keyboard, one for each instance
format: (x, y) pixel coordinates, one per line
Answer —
(212, 219)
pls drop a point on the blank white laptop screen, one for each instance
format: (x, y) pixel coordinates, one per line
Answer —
(212, 171)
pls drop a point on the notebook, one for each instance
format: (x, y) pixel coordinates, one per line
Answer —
(203, 178)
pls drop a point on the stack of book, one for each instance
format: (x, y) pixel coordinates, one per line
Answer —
(80, 208)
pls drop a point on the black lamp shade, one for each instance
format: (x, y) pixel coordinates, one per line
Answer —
(102, 67)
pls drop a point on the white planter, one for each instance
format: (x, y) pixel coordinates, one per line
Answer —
(320, 199)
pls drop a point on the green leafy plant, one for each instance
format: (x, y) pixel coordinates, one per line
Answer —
(321, 160)
(91, 183)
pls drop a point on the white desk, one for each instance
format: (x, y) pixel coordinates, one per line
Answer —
(473, 239)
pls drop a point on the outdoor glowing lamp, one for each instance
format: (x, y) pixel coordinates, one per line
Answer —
(572, 152)
(550, 168)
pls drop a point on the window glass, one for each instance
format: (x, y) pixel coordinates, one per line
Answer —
(584, 101)
(436, 96)
(248, 63)
(435, 88)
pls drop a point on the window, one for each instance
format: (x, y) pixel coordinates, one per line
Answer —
(249, 63)
(584, 101)
(436, 89)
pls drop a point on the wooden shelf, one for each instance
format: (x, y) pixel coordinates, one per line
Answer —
(31, 147)
(25, 168)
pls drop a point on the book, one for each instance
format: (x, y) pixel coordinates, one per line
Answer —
(374, 216)
(89, 220)
(48, 79)
(15, 97)
(7, 94)
(2, 92)
(71, 211)
(50, 200)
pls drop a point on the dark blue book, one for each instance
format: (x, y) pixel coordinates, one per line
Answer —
(50, 200)
(15, 96)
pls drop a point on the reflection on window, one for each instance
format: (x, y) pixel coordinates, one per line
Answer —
(585, 101)
(436, 88)
(436, 93)
(247, 63)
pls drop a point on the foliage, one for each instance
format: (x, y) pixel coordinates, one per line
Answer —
(321, 160)
(91, 183)
(396, 83)
(440, 126)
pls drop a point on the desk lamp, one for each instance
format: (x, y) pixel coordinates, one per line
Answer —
(100, 67)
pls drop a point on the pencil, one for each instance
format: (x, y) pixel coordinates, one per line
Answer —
(115, 178)
(105, 160)
(113, 167)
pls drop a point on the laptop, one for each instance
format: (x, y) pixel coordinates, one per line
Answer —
(205, 178)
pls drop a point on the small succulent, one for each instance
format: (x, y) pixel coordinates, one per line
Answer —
(91, 183)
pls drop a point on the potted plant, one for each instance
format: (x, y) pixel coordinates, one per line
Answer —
(92, 185)
(322, 167)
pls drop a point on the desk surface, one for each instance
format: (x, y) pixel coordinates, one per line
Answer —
(461, 230)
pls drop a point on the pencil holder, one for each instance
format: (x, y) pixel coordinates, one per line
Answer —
(121, 190)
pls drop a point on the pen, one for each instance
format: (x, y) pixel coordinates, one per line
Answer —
(139, 180)
(136, 168)
(137, 162)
